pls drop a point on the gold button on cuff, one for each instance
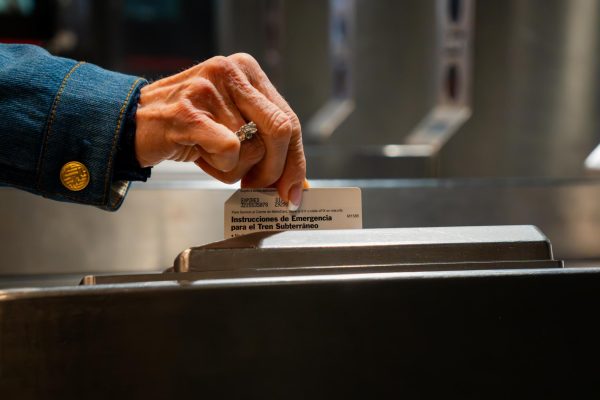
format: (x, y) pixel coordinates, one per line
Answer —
(74, 176)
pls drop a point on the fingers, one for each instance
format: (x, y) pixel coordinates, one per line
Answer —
(294, 173)
(292, 180)
(221, 95)
(273, 123)
(251, 152)
(204, 95)
(210, 121)
(217, 144)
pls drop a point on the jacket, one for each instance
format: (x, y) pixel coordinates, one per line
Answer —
(61, 123)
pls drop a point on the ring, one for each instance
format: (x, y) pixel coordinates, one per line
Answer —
(246, 132)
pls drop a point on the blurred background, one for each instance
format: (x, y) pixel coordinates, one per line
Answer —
(445, 112)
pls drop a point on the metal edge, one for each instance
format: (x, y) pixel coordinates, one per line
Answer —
(17, 294)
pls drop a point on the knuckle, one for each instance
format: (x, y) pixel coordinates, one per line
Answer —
(181, 111)
(245, 59)
(221, 65)
(295, 121)
(202, 87)
(185, 113)
(280, 126)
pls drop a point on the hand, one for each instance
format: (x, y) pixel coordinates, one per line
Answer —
(192, 116)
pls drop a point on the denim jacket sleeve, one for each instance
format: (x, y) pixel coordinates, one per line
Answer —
(54, 111)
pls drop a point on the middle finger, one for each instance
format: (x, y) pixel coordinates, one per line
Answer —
(273, 123)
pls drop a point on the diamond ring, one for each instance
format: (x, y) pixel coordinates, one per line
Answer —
(246, 132)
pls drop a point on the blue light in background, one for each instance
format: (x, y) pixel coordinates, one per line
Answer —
(23, 7)
(152, 10)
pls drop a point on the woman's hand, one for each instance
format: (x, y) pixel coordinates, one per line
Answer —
(192, 116)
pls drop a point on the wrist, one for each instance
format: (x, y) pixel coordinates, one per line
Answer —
(127, 166)
(149, 122)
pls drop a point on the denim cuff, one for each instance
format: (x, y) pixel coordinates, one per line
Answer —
(127, 166)
(84, 125)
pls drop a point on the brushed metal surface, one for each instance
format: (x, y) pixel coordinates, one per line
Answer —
(367, 239)
(158, 221)
(39, 236)
(310, 249)
(332, 252)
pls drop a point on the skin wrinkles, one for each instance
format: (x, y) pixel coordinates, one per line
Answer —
(193, 116)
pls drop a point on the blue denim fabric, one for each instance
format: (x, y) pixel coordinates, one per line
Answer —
(55, 110)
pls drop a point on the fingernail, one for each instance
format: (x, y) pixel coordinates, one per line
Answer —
(295, 197)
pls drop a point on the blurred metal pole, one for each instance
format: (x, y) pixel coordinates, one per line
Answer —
(455, 20)
(274, 31)
(453, 57)
(580, 39)
(342, 31)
